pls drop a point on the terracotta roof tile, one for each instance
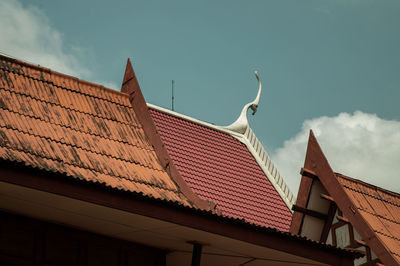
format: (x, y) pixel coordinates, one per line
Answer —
(59, 123)
(379, 208)
(220, 168)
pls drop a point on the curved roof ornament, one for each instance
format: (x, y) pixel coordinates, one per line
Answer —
(241, 124)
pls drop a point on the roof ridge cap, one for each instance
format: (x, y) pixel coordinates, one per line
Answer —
(191, 119)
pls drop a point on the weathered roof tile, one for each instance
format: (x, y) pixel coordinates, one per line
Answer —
(59, 123)
(379, 208)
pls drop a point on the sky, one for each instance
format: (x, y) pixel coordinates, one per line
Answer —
(328, 65)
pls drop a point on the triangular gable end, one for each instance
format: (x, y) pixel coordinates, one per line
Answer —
(315, 210)
(130, 85)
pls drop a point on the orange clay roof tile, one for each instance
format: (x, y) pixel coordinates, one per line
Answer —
(59, 123)
(379, 208)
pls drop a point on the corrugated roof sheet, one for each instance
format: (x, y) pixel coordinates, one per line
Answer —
(57, 122)
(379, 208)
(220, 168)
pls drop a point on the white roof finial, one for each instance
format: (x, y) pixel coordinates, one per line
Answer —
(241, 124)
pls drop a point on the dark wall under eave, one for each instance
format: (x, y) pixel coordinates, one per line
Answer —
(26, 241)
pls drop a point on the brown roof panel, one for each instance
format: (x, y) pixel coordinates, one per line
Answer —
(56, 122)
(378, 207)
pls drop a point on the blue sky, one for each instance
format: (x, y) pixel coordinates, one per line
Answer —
(317, 59)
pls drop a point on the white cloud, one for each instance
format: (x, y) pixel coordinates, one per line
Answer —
(26, 34)
(359, 145)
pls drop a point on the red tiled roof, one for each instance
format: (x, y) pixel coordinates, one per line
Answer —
(379, 208)
(220, 168)
(56, 122)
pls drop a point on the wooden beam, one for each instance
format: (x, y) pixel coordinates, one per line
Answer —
(308, 173)
(312, 213)
(302, 201)
(328, 222)
(343, 219)
(324, 196)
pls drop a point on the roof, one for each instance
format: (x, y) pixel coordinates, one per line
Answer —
(219, 167)
(60, 123)
(54, 126)
(379, 208)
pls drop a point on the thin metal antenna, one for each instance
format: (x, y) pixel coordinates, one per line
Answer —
(172, 95)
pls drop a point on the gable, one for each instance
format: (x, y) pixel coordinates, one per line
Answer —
(351, 214)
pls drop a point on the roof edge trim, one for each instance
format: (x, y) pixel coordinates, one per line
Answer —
(193, 120)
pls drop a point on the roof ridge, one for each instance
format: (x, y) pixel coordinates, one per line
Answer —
(368, 184)
(50, 71)
(78, 147)
(70, 128)
(190, 119)
(68, 108)
(87, 168)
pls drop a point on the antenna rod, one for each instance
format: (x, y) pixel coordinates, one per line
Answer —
(172, 95)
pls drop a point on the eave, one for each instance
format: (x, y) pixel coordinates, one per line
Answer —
(93, 207)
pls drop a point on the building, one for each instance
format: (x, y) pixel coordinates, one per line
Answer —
(345, 212)
(85, 179)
